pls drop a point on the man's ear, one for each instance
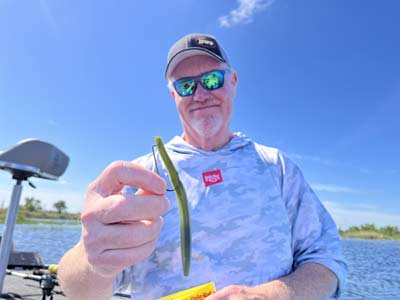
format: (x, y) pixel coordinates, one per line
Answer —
(171, 89)
(234, 78)
(234, 81)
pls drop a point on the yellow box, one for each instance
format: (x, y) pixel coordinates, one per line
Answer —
(195, 293)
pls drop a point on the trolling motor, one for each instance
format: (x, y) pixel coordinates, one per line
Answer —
(30, 157)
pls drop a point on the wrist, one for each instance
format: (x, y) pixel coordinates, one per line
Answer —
(98, 271)
(274, 290)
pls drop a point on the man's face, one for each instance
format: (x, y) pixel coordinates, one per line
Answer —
(206, 113)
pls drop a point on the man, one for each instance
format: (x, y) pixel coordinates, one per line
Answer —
(258, 230)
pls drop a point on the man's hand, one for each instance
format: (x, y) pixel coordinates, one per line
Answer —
(269, 291)
(310, 281)
(235, 292)
(122, 230)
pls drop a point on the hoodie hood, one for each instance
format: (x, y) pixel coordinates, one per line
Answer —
(178, 145)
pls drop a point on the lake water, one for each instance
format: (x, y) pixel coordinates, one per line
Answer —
(374, 266)
(374, 269)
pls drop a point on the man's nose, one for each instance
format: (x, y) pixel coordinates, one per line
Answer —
(200, 94)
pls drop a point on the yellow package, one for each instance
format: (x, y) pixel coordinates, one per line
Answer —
(195, 293)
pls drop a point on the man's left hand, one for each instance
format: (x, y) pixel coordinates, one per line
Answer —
(240, 292)
(235, 292)
(310, 281)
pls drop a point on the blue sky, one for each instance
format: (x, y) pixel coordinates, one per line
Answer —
(320, 81)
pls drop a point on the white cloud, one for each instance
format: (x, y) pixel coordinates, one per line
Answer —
(48, 15)
(333, 163)
(346, 216)
(243, 14)
(51, 122)
(365, 171)
(5, 175)
(318, 159)
(334, 188)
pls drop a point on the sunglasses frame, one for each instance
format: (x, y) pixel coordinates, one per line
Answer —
(198, 79)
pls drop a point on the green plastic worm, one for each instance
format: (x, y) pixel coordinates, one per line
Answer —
(186, 236)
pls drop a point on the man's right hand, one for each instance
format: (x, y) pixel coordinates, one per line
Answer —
(121, 230)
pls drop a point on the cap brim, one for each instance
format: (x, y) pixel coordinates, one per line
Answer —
(185, 54)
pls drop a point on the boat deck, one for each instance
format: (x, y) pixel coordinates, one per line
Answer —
(30, 290)
(27, 289)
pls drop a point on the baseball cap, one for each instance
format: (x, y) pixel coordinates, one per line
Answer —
(194, 44)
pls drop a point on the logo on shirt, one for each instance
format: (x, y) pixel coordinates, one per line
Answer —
(212, 177)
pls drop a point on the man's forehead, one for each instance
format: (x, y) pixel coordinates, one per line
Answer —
(195, 65)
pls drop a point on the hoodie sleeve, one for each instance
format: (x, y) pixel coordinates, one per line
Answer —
(315, 237)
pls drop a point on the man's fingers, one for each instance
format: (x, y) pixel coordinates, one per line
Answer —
(121, 173)
(122, 236)
(142, 192)
(122, 258)
(129, 208)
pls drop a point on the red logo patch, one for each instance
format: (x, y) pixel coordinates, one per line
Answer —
(212, 177)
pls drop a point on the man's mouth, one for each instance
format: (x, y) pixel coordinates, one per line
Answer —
(203, 107)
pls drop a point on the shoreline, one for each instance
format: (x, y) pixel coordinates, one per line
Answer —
(37, 221)
(368, 238)
(370, 232)
(42, 217)
(366, 231)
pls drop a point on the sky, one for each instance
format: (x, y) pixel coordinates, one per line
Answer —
(320, 80)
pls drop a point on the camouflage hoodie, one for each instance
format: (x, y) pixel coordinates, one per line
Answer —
(254, 219)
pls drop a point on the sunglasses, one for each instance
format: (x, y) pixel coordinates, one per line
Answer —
(211, 80)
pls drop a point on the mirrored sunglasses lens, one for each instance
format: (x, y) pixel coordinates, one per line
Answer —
(185, 87)
(213, 80)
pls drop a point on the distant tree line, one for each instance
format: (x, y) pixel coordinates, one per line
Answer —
(34, 205)
(32, 209)
(371, 231)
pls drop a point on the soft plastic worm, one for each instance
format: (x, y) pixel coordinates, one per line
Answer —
(186, 237)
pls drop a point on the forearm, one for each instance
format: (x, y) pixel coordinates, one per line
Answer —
(78, 279)
(310, 281)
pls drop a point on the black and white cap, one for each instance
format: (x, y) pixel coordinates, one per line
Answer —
(194, 44)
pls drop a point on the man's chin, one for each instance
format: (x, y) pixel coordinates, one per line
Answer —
(207, 129)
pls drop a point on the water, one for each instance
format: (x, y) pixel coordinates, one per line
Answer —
(51, 241)
(374, 269)
(374, 266)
